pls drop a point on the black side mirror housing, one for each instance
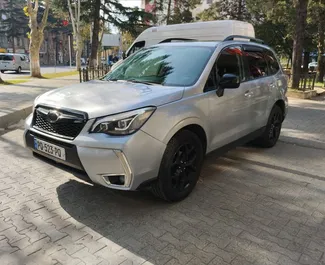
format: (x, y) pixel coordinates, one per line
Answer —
(229, 81)
(124, 55)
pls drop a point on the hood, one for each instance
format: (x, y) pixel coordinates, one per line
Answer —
(101, 98)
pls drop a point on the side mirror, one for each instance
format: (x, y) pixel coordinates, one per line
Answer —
(123, 55)
(229, 81)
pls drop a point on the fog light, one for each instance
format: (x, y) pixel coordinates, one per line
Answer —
(115, 180)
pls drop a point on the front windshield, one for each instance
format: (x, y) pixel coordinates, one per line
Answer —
(164, 65)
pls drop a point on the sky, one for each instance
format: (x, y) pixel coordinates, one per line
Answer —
(131, 3)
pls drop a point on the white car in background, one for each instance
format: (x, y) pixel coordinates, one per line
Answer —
(14, 62)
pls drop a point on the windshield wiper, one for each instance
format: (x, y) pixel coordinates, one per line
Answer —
(143, 82)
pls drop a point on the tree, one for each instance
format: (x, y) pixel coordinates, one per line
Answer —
(226, 9)
(113, 12)
(317, 8)
(15, 23)
(298, 42)
(36, 33)
(74, 11)
(175, 12)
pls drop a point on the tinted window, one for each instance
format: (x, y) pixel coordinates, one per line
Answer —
(165, 65)
(137, 46)
(228, 62)
(8, 58)
(257, 66)
(272, 63)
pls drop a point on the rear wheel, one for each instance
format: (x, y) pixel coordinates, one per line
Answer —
(2, 71)
(19, 70)
(180, 167)
(272, 131)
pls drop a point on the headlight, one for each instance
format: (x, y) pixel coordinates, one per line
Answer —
(123, 123)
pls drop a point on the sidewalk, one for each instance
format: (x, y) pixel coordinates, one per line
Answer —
(16, 101)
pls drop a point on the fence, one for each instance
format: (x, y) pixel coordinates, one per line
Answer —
(91, 73)
(307, 80)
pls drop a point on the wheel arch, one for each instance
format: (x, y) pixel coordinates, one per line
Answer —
(281, 104)
(191, 124)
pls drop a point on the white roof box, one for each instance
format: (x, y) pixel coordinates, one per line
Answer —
(216, 30)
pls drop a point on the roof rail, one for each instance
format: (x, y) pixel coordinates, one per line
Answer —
(232, 37)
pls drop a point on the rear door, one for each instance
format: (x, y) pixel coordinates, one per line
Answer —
(257, 76)
(24, 62)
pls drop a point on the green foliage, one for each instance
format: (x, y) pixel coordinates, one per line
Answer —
(226, 9)
(181, 12)
(14, 22)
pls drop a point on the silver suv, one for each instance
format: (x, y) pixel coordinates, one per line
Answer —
(151, 121)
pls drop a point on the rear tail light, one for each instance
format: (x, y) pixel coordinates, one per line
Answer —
(13, 59)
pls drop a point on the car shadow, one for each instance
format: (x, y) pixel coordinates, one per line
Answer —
(237, 204)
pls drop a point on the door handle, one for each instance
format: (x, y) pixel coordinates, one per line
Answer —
(248, 94)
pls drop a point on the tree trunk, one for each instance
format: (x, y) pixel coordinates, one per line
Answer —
(36, 33)
(13, 45)
(79, 48)
(95, 40)
(321, 46)
(34, 48)
(306, 61)
(168, 11)
(298, 43)
(240, 10)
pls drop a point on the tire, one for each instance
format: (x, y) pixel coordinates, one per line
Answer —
(2, 71)
(272, 131)
(18, 70)
(180, 167)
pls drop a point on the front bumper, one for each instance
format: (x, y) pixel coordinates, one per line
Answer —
(136, 157)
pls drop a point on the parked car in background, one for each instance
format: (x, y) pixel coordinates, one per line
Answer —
(151, 121)
(313, 66)
(14, 62)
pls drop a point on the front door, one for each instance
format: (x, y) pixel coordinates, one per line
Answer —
(228, 112)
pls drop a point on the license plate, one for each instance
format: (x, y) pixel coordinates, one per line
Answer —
(49, 149)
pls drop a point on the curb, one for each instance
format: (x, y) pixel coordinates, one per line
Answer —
(15, 117)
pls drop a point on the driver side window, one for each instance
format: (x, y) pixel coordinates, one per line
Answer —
(229, 61)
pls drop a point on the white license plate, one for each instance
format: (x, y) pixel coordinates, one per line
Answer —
(49, 149)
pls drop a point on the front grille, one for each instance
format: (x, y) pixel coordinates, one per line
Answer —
(68, 125)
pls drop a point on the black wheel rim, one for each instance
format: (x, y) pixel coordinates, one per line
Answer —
(275, 128)
(183, 167)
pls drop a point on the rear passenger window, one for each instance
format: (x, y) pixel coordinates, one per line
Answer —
(273, 65)
(257, 66)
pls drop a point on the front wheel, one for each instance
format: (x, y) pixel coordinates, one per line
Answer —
(180, 167)
(2, 71)
(272, 131)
